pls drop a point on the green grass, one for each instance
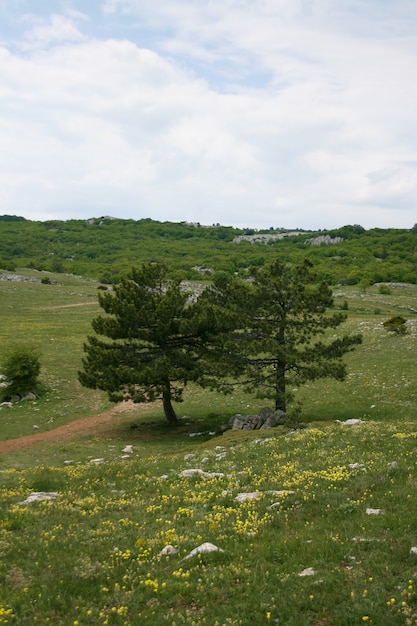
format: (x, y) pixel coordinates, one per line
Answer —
(56, 318)
(90, 556)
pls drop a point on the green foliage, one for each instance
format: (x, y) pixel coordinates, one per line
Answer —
(108, 248)
(274, 333)
(364, 285)
(21, 368)
(11, 218)
(9, 266)
(148, 348)
(396, 325)
(385, 290)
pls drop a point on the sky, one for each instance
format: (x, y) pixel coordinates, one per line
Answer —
(249, 113)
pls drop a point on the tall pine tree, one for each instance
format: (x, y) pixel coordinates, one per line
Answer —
(145, 348)
(276, 336)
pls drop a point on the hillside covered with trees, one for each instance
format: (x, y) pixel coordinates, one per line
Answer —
(107, 248)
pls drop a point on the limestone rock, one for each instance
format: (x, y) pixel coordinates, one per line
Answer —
(168, 551)
(39, 496)
(188, 473)
(307, 572)
(205, 548)
(267, 418)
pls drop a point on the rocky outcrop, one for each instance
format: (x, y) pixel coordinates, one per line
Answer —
(267, 418)
(326, 240)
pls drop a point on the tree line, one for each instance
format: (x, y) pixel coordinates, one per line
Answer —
(267, 333)
(106, 249)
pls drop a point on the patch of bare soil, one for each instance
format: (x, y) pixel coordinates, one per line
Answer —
(70, 430)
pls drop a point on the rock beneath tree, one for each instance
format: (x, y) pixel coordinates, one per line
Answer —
(267, 418)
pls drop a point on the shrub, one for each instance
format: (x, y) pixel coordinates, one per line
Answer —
(396, 324)
(21, 369)
(385, 290)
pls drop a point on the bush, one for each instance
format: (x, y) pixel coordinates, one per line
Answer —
(21, 369)
(396, 324)
(385, 290)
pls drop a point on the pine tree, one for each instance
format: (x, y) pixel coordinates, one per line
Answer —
(276, 338)
(145, 348)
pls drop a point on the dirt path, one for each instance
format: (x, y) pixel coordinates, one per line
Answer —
(70, 430)
(66, 306)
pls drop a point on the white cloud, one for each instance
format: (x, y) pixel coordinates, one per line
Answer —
(57, 29)
(298, 114)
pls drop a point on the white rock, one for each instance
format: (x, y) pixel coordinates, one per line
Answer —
(128, 449)
(253, 495)
(124, 457)
(39, 496)
(188, 473)
(393, 465)
(263, 440)
(35, 427)
(413, 550)
(221, 456)
(205, 548)
(357, 466)
(250, 495)
(96, 461)
(352, 422)
(187, 457)
(307, 572)
(373, 511)
(168, 551)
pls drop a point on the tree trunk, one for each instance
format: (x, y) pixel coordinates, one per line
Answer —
(280, 401)
(168, 408)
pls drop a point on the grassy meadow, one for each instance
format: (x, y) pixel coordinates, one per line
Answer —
(314, 526)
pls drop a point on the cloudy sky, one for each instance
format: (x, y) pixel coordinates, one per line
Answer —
(284, 113)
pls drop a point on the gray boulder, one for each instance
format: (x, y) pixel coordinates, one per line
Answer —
(267, 418)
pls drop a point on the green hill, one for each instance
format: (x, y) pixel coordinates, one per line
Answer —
(105, 248)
